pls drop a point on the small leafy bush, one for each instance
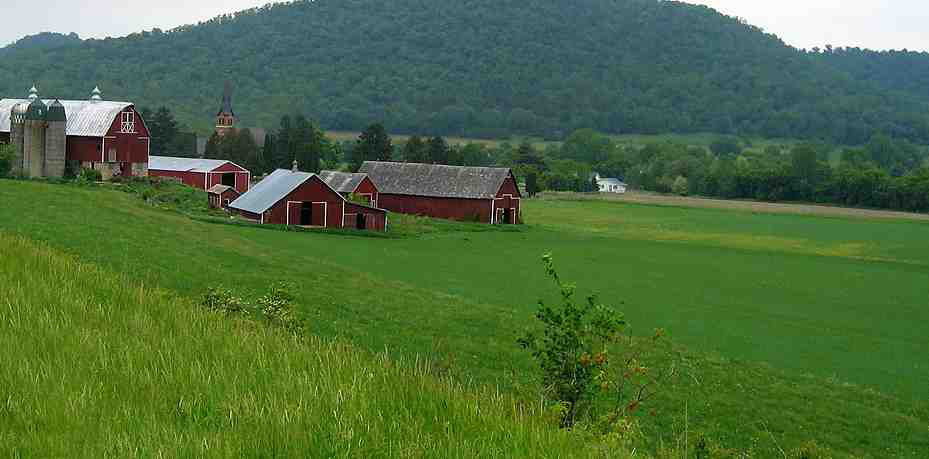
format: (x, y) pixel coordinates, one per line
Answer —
(90, 175)
(6, 160)
(582, 352)
(276, 307)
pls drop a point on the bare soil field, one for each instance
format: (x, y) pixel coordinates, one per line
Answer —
(639, 197)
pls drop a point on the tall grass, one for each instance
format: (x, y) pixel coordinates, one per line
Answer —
(94, 365)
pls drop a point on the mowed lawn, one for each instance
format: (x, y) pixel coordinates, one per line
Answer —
(788, 322)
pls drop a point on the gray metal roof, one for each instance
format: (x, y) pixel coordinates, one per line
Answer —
(169, 163)
(220, 189)
(611, 181)
(270, 190)
(85, 118)
(343, 182)
(436, 180)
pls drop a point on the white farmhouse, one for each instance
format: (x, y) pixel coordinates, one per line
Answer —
(610, 185)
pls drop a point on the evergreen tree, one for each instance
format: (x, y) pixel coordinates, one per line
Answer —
(373, 145)
(415, 150)
(266, 161)
(532, 183)
(163, 130)
(437, 150)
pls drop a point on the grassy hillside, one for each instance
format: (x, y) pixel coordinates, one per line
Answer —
(96, 364)
(481, 68)
(788, 328)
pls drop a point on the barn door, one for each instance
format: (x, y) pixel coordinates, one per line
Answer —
(293, 213)
(319, 214)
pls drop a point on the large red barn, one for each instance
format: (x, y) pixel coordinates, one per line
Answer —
(110, 137)
(348, 184)
(201, 173)
(294, 198)
(481, 194)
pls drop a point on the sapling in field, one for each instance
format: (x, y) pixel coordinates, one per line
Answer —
(586, 356)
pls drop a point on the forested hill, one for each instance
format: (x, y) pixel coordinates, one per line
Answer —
(486, 68)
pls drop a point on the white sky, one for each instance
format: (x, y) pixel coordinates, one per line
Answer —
(876, 24)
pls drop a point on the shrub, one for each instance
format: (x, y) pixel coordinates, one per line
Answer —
(582, 351)
(680, 186)
(90, 175)
(572, 349)
(276, 307)
(6, 160)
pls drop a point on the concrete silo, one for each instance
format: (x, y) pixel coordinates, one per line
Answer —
(34, 139)
(56, 140)
(17, 127)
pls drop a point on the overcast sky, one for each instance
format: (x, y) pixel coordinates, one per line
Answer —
(877, 24)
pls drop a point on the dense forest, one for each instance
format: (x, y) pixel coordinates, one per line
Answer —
(492, 68)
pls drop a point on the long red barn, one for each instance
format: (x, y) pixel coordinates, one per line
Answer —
(297, 198)
(201, 173)
(481, 194)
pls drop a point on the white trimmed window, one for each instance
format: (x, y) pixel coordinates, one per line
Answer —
(128, 123)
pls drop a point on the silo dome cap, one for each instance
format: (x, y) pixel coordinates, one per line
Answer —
(33, 93)
(37, 110)
(56, 112)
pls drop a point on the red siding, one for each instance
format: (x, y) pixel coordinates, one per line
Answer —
(315, 191)
(241, 181)
(84, 149)
(191, 179)
(475, 210)
(479, 210)
(374, 219)
(508, 198)
(205, 181)
(367, 188)
(218, 201)
(130, 147)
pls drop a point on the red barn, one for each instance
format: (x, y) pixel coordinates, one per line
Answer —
(304, 199)
(220, 196)
(346, 184)
(481, 194)
(110, 137)
(201, 173)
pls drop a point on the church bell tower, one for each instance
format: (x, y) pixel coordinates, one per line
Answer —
(225, 119)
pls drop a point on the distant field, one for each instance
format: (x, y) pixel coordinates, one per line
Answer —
(701, 140)
(790, 327)
(634, 197)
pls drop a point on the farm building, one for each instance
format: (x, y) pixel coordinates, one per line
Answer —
(50, 135)
(201, 173)
(610, 185)
(220, 196)
(291, 197)
(482, 194)
(346, 184)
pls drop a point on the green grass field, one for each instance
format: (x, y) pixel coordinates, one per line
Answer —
(788, 328)
(95, 365)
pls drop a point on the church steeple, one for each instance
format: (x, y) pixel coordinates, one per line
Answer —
(225, 118)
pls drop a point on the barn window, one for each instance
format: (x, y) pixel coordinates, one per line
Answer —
(128, 124)
(111, 156)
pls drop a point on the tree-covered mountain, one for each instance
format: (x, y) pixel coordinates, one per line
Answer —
(41, 41)
(487, 68)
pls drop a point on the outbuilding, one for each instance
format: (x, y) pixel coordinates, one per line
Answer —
(294, 198)
(220, 196)
(480, 194)
(201, 173)
(348, 184)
